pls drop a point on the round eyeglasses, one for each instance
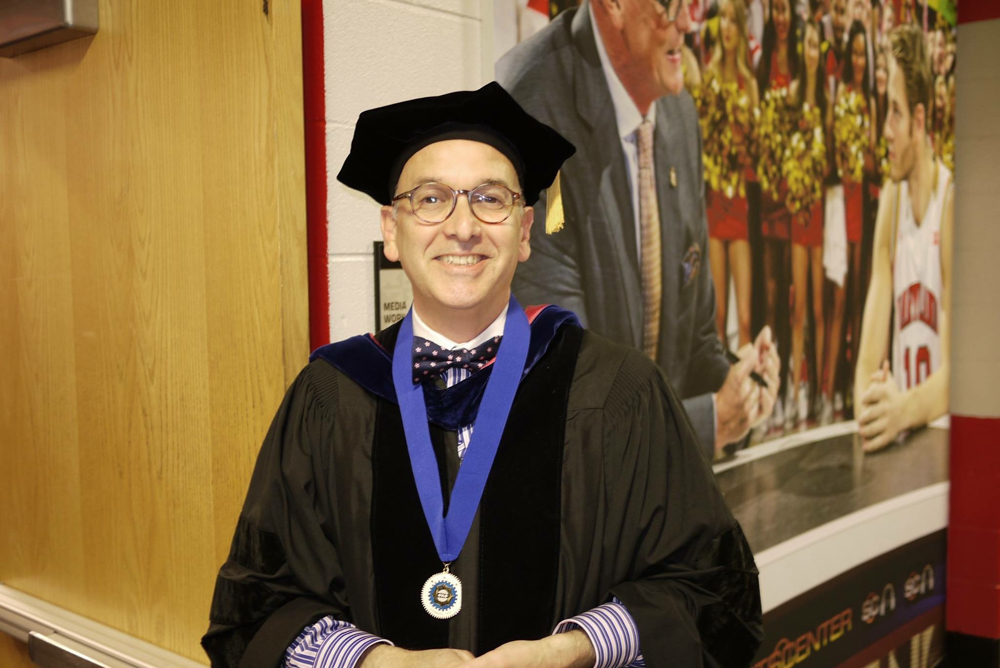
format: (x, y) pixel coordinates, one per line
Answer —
(433, 203)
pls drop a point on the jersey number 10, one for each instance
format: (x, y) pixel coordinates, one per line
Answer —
(923, 366)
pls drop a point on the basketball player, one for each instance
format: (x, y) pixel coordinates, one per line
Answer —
(911, 272)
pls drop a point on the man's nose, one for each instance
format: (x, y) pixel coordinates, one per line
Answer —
(683, 20)
(462, 223)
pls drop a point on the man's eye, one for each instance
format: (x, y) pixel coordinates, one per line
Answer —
(430, 199)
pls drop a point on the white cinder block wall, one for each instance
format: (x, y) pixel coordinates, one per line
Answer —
(378, 52)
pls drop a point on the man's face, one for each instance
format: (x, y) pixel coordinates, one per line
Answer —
(654, 44)
(839, 20)
(903, 131)
(461, 264)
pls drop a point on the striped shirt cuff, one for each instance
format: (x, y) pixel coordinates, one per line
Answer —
(330, 644)
(612, 632)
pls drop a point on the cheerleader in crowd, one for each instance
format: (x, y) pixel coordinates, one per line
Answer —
(854, 82)
(951, 114)
(951, 98)
(727, 210)
(940, 112)
(778, 67)
(949, 58)
(881, 91)
(943, 135)
(940, 52)
(874, 30)
(808, 92)
(862, 11)
(881, 146)
(817, 10)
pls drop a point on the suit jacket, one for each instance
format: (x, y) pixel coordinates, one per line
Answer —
(591, 266)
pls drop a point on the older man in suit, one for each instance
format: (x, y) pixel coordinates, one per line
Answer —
(631, 260)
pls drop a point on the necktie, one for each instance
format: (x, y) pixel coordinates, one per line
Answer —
(430, 360)
(649, 225)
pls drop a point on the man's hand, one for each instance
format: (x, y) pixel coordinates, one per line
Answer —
(737, 403)
(768, 366)
(882, 407)
(563, 650)
(387, 656)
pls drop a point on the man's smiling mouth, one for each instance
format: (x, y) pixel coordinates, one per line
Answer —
(461, 260)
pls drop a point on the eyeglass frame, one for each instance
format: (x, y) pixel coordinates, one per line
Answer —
(516, 197)
(665, 4)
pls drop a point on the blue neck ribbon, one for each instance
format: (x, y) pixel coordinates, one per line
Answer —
(450, 531)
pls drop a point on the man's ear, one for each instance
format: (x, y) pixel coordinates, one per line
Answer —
(524, 245)
(613, 9)
(388, 224)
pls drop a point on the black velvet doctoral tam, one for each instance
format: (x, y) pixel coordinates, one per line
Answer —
(386, 137)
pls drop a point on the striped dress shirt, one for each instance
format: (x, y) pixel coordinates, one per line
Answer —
(335, 644)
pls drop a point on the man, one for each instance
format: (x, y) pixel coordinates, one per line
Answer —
(911, 272)
(631, 262)
(370, 493)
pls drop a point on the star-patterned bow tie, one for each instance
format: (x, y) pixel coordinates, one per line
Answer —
(429, 359)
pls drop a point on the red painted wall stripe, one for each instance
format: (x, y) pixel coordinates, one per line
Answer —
(978, 10)
(972, 608)
(314, 94)
(973, 602)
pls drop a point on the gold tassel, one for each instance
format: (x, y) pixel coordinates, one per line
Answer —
(554, 215)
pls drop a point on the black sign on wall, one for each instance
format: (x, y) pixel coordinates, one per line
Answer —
(864, 615)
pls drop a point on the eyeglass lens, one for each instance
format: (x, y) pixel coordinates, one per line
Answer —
(433, 202)
(672, 8)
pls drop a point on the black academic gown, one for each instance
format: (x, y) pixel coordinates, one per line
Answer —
(598, 489)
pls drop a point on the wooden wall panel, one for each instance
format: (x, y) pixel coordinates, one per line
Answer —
(153, 292)
(14, 654)
(38, 453)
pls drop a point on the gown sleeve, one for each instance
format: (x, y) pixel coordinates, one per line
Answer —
(283, 572)
(694, 592)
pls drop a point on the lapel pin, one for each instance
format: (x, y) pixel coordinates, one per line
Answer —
(673, 177)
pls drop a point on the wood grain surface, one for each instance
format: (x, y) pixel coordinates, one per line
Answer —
(153, 302)
(14, 654)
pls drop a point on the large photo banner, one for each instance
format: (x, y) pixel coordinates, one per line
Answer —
(771, 177)
(771, 220)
